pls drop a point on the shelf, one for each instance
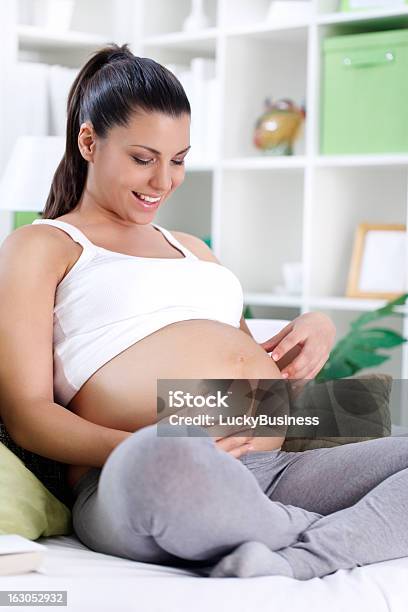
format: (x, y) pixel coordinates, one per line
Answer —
(203, 40)
(329, 303)
(362, 160)
(290, 30)
(296, 162)
(346, 303)
(270, 299)
(269, 163)
(361, 17)
(299, 162)
(199, 166)
(31, 37)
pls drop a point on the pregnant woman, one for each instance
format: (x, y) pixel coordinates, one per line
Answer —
(97, 302)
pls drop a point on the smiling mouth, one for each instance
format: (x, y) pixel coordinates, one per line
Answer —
(146, 203)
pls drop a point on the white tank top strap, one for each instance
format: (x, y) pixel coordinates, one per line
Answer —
(72, 231)
(175, 242)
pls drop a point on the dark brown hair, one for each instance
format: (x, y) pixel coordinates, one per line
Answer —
(112, 85)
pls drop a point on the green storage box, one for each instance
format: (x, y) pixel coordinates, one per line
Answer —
(25, 218)
(365, 93)
(366, 5)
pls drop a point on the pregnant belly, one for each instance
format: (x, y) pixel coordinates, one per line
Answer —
(122, 394)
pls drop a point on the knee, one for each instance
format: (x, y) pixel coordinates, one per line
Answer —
(153, 451)
(176, 445)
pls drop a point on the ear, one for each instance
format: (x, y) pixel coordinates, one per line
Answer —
(87, 141)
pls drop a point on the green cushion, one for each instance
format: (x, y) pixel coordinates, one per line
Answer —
(350, 410)
(27, 507)
(53, 474)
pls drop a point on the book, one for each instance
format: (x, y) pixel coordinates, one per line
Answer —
(19, 555)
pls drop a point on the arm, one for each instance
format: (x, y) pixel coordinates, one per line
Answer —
(32, 262)
(52, 431)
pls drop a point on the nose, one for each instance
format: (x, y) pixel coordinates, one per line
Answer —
(161, 178)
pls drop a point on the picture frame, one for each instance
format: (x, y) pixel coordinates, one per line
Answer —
(378, 266)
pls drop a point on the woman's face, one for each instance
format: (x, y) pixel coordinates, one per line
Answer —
(145, 158)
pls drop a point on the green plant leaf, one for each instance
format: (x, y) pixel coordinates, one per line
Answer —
(377, 337)
(335, 369)
(358, 348)
(385, 311)
(247, 314)
(365, 359)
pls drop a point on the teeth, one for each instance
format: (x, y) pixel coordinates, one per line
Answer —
(147, 198)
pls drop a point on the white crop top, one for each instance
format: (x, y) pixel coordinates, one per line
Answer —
(108, 301)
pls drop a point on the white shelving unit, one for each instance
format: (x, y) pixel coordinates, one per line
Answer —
(260, 211)
(94, 23)
(263, 211)
(32, 37)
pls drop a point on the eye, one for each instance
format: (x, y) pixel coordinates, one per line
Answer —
(142, 162)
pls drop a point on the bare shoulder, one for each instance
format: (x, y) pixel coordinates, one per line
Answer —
(196, 246)
(35, 234)
(37, 245)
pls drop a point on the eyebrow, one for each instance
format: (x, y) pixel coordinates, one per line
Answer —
(158, 152)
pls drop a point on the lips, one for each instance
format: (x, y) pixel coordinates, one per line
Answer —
(144, 204)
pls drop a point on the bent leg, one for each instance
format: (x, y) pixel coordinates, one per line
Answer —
(159, 499)
(364, 485)
(329, 479)
(374, 529)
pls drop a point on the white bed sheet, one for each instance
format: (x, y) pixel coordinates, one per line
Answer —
(101, 582)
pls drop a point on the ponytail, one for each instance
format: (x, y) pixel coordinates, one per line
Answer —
(110, 86)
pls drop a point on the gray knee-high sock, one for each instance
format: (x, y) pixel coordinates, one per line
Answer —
(251, 559)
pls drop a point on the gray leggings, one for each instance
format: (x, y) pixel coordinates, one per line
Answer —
(184, 502)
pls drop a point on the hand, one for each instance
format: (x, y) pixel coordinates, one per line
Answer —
(313, 333)
(235, 446)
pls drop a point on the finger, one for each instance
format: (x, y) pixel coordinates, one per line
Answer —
(233, 442)
(316, 370)
(319, 367)
(228, 431)
(240, 434)
(243, 450)
(300, 365)
(270, 344)
(307, 372)
(289, 357)
(285, 345)
(238, 441)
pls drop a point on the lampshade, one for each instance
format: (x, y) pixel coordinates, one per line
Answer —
(27, 179)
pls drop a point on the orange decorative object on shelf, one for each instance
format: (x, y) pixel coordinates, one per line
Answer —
(278, 127)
